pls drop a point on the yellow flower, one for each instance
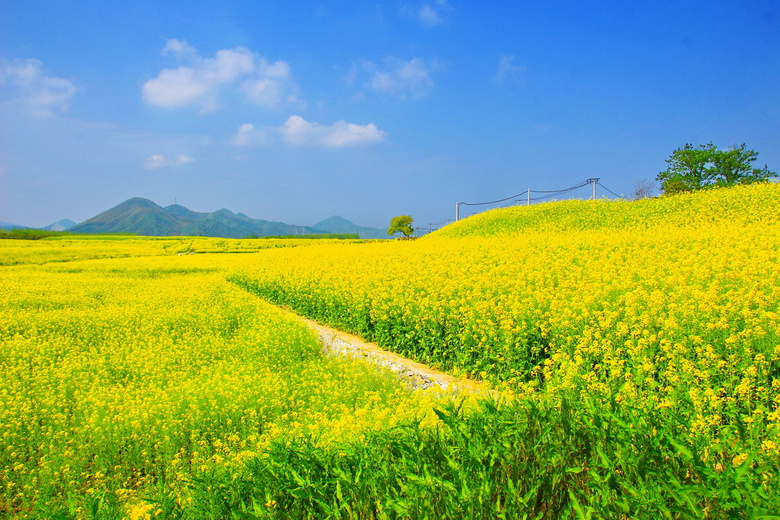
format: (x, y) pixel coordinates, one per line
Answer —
(739, 459)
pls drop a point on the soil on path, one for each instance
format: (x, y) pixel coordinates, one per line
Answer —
(416, 375)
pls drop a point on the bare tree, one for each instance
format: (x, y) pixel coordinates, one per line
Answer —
(643, 189)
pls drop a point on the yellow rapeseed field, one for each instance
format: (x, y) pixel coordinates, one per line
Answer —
(641, 341)
(65, 248)
(121, 374)
(670, 305)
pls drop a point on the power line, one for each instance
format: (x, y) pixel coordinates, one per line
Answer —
(553, 193)
(578, 186)
(527, 192)
(548, 193)
(491, 202)
(523, 192)
(431, 227)
(612, 192)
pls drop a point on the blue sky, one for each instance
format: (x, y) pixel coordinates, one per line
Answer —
(297, 111)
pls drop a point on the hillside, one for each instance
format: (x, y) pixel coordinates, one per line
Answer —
(8, 225)
(741, 204)
(338, 224)
(141, 216)
(641, 336)
(60, 225)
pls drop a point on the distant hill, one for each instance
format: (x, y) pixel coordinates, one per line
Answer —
(60, 225)
(7, 225)
(337, 224)
(141, 216)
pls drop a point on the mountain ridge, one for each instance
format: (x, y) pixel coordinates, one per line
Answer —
(142, 216)
(60, 225)
(337, 224)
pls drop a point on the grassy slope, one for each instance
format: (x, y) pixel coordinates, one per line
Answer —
(740, 205)
(543, 276)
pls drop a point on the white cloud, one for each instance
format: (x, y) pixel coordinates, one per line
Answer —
(296, 130)
(201, 81)
(432, 13)
(248, 135)
(157, 161)
(272, 86)
(175, 88)
(25, 84)
(342, 133)
(153, 162)
(178, 48)
(400, 78)
(429, 15)
(508, 73)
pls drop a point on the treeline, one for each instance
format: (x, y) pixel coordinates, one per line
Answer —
(29, 234)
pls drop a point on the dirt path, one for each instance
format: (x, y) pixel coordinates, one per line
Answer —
(415, 374)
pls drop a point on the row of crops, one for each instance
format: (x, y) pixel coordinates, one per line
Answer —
(636, 347)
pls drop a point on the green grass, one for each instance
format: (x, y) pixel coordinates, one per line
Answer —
(545, 459)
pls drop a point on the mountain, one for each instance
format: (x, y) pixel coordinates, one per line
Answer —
(60, 225)
(135, 216)
(337, 224)
(225, 223)
(180, 211)
(6, 225)
(141, 216)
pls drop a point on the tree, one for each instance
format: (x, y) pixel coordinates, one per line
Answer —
(402, 223)
(643, 189)
(706, 166)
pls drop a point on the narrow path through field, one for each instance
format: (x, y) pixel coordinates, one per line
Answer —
(415, 374)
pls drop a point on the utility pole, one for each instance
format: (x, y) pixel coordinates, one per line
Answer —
(457, 211)
(594, 181)
(528, 202)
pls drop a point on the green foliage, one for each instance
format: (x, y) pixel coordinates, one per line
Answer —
(402, 223)
(705, 166)
(30, 234)
(542, 458)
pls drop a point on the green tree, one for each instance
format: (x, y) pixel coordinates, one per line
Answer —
(706, 166)
(402, 223)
